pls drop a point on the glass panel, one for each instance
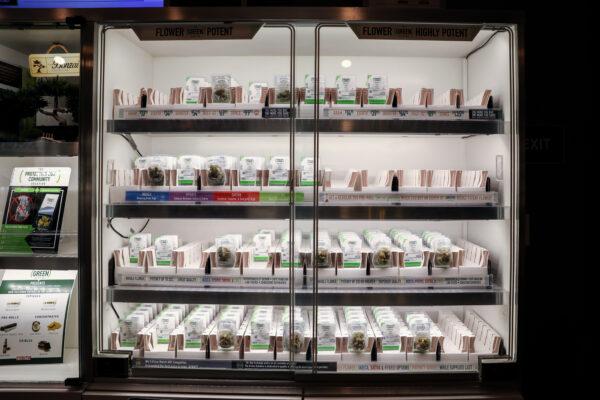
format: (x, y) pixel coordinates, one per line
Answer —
(39, 110)
(198, 176)
(415, 147)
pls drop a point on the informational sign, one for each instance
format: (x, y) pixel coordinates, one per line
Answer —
(34, 210)
(33, 312)
(81, 3)
(51, 65)
(415, 31)
(197, 31)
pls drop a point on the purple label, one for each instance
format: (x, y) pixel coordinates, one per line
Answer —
(191, 196)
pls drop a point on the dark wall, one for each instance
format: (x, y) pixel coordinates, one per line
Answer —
(557, 68)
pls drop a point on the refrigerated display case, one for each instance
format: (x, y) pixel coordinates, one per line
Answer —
(39, 182)
(342, 196)
(296, 200)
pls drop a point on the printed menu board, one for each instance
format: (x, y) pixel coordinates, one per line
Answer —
(33, 312)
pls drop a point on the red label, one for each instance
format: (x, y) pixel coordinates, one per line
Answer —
(237, 196)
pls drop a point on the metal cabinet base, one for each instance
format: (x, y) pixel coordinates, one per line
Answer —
(40, 392)
(270, 390)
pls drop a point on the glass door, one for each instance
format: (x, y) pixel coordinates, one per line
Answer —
(416, 211)
(198, 249)
(39, 182)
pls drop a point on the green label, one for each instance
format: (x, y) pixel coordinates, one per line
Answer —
(163, 340)
(307, 183)
(261, 258)
(164, 262)
(286, 264)
(36, 286)
(249, 183)
(193, 344)
(345, 102)
(128, 343)
(259, 346)
(279, 196)
(352, 264)
(412, 263)
(376, 101)
(390, 347)
(185, 182)
(279, 182)
(36, 190)
(312, 101)
(326, 348)
(12, 238)
(133, 260)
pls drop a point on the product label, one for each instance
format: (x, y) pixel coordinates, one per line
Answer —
(262, 242)
(164, 247)
(260, 337)
(377, 89)
(186, 177)
(165, 324)
(326, 336)
(346, 89)
(282, 89)
(191, 93)
(255, 91)
(249, 167)
(279, 171)
(137, 242)
(307, 172)
(309, 85)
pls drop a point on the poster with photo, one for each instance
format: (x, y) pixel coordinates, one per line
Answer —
(34, 210)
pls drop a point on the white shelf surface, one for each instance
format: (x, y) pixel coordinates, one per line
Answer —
(43, 373)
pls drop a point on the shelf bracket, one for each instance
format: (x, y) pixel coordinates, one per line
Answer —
(131, 141)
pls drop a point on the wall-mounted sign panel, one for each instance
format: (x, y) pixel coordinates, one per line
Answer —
(51, 65)
(197, 31)
(415, 31)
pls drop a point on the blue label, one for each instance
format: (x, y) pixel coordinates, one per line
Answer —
(146, 196)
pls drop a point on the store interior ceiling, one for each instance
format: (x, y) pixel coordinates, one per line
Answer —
(38, 40)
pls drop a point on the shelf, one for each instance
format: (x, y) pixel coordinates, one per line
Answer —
(250, 211)
(39, 261)
(42, 373)
(326, 126)
(220, 211)
(391, 212)
(304, 297)
(39, 148)
(65, 259)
